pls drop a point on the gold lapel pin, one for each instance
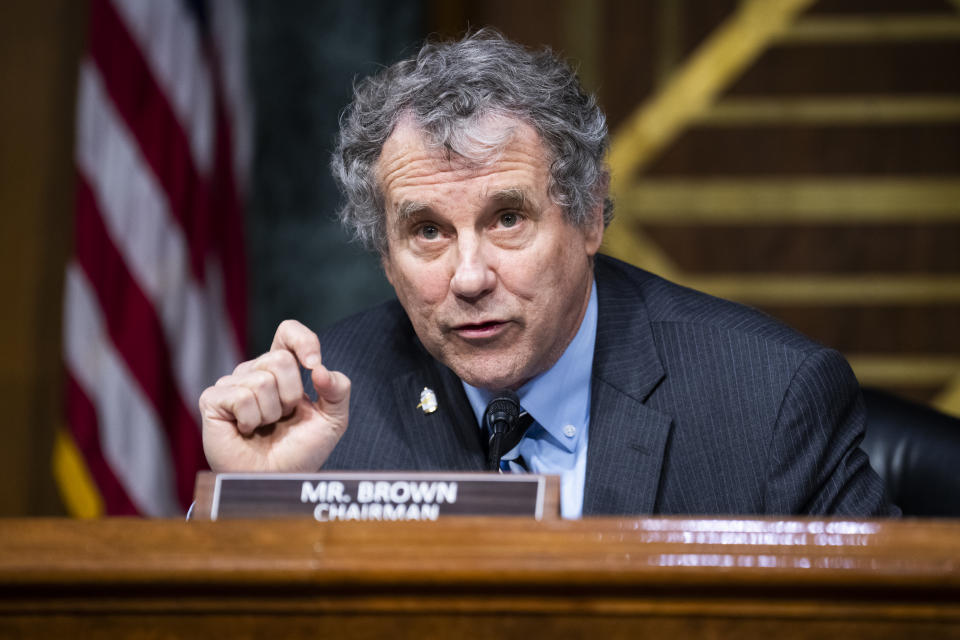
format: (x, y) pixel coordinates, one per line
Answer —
(428, 400)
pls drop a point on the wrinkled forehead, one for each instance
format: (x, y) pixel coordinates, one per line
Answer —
(496, 146)
(472, 142)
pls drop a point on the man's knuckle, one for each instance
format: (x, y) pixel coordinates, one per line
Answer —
(277, 360)
(206, 398)
(243, 367)
(243, 400)
(255, 378)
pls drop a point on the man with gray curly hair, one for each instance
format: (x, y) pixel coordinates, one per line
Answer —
(476, 170)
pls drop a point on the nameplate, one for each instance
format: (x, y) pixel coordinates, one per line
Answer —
(353, 496)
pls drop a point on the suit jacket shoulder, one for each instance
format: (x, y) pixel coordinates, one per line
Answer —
(717, 408)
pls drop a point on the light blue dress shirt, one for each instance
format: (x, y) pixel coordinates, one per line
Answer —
(559, 401)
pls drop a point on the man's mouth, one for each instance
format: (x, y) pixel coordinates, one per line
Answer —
(480, 330)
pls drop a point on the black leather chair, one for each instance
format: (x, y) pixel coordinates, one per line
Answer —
(916, 450)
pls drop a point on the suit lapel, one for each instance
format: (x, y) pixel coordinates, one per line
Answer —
(448, 439)
(624, 455)
(627, 439)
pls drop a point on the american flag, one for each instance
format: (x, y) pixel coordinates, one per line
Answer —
(155, 294)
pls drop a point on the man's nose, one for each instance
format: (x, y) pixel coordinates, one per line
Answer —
(473, 275)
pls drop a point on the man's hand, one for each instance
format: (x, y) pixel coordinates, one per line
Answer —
(259, 419)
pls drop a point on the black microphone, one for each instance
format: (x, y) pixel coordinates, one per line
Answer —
(499, 419)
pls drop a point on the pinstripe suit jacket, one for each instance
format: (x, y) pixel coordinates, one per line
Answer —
(698, 406)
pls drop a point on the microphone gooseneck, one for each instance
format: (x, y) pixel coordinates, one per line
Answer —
(499, 419)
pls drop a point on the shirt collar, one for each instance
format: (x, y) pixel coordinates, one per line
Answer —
(559, 396)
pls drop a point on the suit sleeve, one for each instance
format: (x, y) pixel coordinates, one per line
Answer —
(816, 464)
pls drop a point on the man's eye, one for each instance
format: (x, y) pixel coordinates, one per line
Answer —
(429, 232)
(509, 219)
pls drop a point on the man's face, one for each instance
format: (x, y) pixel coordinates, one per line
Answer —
(491, 274)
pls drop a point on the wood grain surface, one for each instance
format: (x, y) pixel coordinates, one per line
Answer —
(480, 577)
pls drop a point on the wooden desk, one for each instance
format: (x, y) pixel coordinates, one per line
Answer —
(478, 578)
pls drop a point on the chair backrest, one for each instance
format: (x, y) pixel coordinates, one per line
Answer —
(916, 450)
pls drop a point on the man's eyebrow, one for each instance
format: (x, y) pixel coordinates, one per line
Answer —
(410, 208)
(514, 197)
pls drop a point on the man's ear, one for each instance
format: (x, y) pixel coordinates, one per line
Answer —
(387, 266)
(593, 231)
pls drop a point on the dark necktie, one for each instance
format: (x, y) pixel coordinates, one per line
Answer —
(497, 446)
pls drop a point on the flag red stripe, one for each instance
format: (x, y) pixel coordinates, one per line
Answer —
(200, 194)
(85, 430)
(230, 242)
(208, 210)
(137, 334)
(151, 119)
